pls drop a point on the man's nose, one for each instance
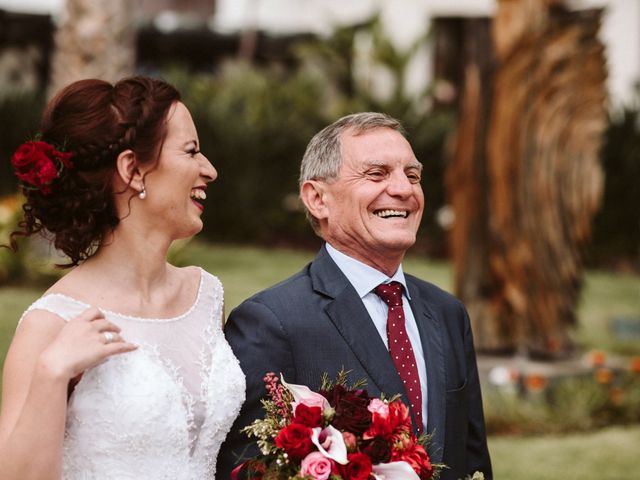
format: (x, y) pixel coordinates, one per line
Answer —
(399, 184)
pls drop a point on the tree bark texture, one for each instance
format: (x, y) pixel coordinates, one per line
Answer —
(94, 39)
(525, 180)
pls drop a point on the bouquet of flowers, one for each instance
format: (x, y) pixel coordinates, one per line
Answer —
(339, 433)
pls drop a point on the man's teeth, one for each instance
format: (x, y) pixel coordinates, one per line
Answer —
(198, 194)
(392, 213)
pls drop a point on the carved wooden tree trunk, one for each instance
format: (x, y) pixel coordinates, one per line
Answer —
(95, 39)
(525, 189)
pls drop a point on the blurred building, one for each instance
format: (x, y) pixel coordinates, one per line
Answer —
(200, 33)
(406, 20)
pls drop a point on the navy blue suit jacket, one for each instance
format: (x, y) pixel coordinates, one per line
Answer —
(315, 322)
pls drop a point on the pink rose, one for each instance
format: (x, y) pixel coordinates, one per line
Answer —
(379, 407)
(316, 466)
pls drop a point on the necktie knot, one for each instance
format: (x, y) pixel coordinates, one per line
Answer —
(390, 293)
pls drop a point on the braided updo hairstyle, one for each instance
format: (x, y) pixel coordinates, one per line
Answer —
(96, 121)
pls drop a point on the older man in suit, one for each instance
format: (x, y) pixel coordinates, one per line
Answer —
(354, 308)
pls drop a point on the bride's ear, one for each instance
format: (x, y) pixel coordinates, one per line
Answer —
(128, 170)
(313, 194)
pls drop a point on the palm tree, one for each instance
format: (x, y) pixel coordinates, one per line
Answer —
(95, 39)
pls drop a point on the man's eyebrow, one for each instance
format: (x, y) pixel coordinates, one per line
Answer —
(380, 163)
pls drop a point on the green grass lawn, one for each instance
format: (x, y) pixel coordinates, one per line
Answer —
(607, 454)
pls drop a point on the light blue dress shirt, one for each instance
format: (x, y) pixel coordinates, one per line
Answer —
(364, 279)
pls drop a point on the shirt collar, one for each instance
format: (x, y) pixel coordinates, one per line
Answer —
(363, 277)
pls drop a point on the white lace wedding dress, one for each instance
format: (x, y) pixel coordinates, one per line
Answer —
(162, 411)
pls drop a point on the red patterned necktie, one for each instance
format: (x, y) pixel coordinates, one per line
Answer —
(400, 346)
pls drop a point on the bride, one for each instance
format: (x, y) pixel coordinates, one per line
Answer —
(121, 369)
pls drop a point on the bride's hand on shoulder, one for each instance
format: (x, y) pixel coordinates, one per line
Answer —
(84, 342)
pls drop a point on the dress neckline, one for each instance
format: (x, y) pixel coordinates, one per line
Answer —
(136, 318)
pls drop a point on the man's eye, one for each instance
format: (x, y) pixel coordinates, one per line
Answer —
(376, 174)
(193, 152)
(414, 177)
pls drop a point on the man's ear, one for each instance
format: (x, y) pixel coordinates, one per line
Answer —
(128, 171)
(313, 194)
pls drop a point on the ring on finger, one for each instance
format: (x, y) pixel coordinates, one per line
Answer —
(109, 337)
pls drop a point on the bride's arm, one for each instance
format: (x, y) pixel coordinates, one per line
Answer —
(45, 354)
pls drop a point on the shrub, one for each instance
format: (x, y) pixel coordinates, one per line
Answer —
(591, 399)
(254, 125)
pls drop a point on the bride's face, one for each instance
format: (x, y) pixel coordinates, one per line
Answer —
(176, 187)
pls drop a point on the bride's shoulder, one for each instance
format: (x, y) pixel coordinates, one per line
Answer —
(200, 276)
(53, 305)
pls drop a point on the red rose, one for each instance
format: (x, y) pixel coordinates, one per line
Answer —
(358, 468)
(295, 439)
(308, 416)
(417, 458)
(37, 164)
(351, 409)
(396, 423)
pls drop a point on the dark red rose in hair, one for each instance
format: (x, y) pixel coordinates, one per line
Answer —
(352, 414)
(38, 163)
(295, 439)
(358, 468)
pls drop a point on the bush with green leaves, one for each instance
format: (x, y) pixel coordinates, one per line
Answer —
(568, 403)
(254, 125)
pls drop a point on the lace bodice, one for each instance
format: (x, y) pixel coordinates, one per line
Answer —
(161, 411)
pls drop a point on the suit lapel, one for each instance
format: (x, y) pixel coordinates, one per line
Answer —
(432, 346)
(350, 317)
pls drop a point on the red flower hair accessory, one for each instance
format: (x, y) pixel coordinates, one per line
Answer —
(37, 164)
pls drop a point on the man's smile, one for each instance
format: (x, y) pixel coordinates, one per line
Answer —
(388, 213)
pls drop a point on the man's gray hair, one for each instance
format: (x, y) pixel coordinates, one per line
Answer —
(323, 157)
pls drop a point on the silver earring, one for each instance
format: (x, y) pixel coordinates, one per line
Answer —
(143, 194)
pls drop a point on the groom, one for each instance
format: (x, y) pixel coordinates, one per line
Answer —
(353, 307)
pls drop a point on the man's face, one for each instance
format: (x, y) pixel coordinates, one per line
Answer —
(374, 207)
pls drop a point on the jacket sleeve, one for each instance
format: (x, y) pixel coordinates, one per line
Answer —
(477, 452)
(260, 343)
